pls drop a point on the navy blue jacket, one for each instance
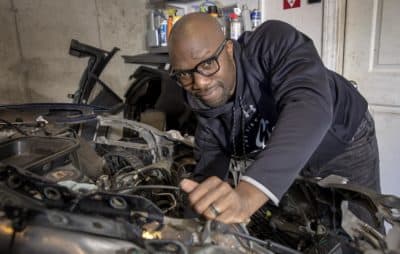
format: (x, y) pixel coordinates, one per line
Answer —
(288, 111)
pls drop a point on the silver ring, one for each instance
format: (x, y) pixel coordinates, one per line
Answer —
(214, 210)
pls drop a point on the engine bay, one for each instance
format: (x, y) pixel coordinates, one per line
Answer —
(79, 178)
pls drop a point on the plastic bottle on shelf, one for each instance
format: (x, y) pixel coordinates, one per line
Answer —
(255, 17)
(152, 37)
(246, 18)
(213, 11)
(170, 23)
(163, 33)
(236, 26)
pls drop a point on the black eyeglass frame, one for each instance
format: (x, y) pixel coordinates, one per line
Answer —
(175, 74)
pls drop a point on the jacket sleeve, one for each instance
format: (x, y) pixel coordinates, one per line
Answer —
(301, 90)
(211, 159)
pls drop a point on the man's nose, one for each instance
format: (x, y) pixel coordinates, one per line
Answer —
(200, 82)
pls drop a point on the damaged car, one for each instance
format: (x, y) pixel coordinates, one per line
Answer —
(78, 178)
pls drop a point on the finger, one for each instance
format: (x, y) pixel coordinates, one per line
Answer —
(209, 214)
(202, 189)
(223, 204)
(233, 207)
(212, 212)
(188, 185)
(219, 194)
(226, 202)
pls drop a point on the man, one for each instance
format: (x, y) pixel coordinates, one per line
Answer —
(268, 102)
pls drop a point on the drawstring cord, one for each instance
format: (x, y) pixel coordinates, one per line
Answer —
(236, 169)
(233, 168)
(233, 132)
(243, 125)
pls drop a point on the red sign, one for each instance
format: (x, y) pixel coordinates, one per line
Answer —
(289, 4)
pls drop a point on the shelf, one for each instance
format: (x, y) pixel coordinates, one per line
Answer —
(149, 58)
(162, 3)
(158, 50)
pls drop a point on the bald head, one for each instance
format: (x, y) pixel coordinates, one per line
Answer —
(193, 32)
(196, 26)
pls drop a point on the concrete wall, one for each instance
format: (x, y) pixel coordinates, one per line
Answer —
(34, 40)
(35, 35)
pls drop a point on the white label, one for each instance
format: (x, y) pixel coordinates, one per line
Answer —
(236, 30)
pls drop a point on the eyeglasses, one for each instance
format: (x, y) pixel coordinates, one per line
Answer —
(207, 67)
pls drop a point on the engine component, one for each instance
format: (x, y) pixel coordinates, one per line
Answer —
(37, 156)
(311, 218)
(113, 221)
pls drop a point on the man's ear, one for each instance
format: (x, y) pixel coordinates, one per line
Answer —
(229, 47)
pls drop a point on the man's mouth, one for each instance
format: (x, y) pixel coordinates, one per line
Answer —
(207, 94)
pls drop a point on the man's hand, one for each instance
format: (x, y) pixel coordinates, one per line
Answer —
(217, 200)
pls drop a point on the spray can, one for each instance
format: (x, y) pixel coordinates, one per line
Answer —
(170, 23)
(163, 32)
(255, 17)
(236, 26)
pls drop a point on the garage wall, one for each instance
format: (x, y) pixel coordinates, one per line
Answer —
(34, 40)
(306, 18)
